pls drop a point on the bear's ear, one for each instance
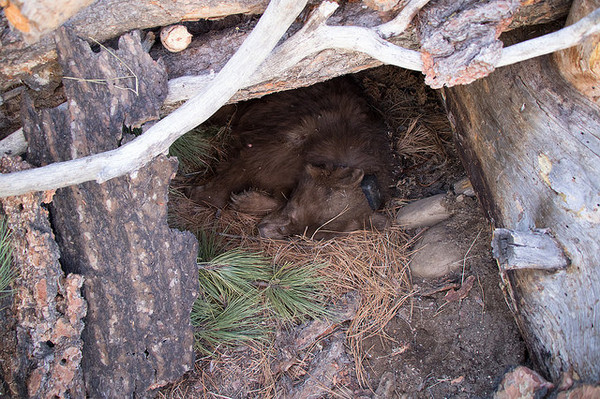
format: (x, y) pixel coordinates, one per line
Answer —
(349, 177)
(314, 171)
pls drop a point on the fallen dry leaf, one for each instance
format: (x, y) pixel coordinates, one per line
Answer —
(462, 292)
(457, 380)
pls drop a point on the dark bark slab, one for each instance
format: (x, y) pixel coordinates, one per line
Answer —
(40, 332)
(140, 275)
(126, 83)
(530, 144)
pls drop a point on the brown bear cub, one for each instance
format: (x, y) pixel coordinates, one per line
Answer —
(314, 161)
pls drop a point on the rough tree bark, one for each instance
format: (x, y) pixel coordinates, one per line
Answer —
(40, 333)
(140, 276)
(459, 39)
(530, 144)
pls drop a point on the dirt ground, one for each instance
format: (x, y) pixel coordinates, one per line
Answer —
(458, 349)
(442, 342)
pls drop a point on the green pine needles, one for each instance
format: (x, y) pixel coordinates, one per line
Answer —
(294, 292)
(233, 323)
(197, 149)
(243, 293)
(7, 273)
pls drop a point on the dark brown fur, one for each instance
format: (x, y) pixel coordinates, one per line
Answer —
(306, 152)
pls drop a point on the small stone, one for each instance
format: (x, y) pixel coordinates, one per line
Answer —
(424, 213)
(522, 382)
(464, 187)
(436, 253)
(387, 386)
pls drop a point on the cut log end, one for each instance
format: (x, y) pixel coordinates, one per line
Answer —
(534, 249)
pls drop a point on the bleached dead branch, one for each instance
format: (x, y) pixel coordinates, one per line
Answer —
(402, 20)
(552, 42)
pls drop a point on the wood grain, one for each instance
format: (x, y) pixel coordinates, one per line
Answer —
(530, 144)
(580, 64)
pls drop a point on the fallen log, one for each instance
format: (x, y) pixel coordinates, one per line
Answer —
(104, 20)
(529, 143)
(36, 64)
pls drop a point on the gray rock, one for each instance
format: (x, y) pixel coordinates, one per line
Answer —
(437, 253)
(424, 213)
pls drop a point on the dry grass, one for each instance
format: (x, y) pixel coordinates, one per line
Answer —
(371, 263)
(420, 143)
(420, 130)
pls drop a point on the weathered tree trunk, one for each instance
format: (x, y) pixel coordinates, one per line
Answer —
(530, 144)
(140, 276)
(580, 65)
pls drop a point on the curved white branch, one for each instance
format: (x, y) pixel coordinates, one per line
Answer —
(324, 37)
(100, 167)
(559, 40)
(402, 20)
(369, 42)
